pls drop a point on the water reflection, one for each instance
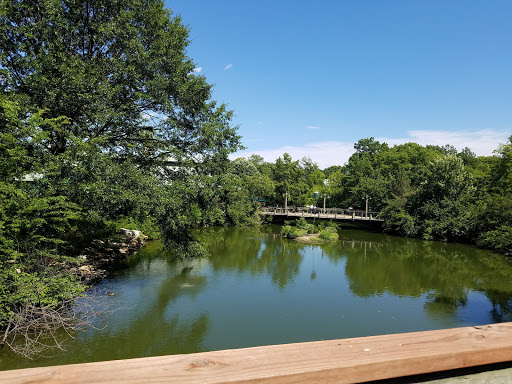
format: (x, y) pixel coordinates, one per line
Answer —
(153, 326)
(444, 272)
(375, 264)
(245, 250)
(258, 289)
(146, 321)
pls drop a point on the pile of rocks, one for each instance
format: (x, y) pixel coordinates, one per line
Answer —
(100, 257)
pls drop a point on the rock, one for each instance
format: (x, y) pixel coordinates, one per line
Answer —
(101, 254)
(130, 234)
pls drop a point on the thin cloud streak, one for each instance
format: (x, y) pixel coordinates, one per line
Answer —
(228, 66)
(325, 154)
(312, 127)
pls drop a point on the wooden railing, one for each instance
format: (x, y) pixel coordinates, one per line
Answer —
(335, 361)
(327, 213)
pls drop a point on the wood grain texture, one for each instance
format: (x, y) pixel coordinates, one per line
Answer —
(334, 361)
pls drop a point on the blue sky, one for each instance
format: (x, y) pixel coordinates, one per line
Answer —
(313, 77)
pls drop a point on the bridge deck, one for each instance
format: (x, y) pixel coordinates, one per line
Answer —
(334, 361)
(329, 213)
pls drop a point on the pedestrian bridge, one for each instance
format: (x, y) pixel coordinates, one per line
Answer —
(320, 213)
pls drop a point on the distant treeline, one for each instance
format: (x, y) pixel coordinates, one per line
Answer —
(432, 192)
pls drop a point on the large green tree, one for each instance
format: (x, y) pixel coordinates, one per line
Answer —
(289, 179)
(118, 71)
(137, 124)
(101, 109)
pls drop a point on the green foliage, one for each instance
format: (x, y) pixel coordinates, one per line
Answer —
(327, 230)
(397, 219)
(502, 171)
(290, 183)
(113, 65)
(189, 249)
(301, 223)
(329, 234)
(292, 232)
(310, 228)
(499, 239)
(431, 192)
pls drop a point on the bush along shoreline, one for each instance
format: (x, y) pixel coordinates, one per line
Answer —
(40, 306)
(302, 231)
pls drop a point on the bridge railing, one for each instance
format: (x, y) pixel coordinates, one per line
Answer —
(319, 212)
(351, 360)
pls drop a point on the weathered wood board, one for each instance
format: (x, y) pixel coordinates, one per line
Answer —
(334, 361)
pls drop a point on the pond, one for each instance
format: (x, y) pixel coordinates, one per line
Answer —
(260, 289)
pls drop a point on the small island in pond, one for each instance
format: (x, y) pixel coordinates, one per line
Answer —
(304, 232)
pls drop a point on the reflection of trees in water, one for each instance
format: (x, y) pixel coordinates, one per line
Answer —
(156, 329)
(501, 306)
(377, 264)
(411, 267)
(245, 250)
(445, 304)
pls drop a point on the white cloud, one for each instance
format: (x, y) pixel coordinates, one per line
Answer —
(482, 142)
(325, 154)
(312, 127)
(228, 66)
(198, 69)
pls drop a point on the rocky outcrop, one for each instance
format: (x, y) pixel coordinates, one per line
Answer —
(100, 257)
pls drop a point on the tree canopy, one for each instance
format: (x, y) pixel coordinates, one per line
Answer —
(117, 71)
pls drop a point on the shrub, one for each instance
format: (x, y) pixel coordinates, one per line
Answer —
(329, 233)
(301, 223)
(499, 240)
(292, 232)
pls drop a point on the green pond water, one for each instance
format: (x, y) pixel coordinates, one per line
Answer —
(260, 289)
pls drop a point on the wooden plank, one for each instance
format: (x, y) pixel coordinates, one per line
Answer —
(334, 361)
